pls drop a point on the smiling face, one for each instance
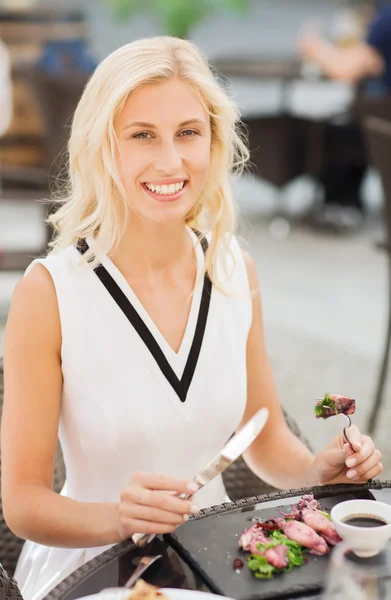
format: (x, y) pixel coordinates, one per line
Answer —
(164, 142)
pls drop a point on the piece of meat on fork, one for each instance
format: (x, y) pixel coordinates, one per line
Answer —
(333, 404)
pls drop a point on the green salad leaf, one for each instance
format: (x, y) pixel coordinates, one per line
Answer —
(326, 514)
(262, 569)
(281, 538)
(326, 402)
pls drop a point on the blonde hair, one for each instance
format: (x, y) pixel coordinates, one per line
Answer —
(94, 201)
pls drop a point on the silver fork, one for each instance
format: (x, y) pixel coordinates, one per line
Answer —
(145, 562)
(123, 593)
(347, 427)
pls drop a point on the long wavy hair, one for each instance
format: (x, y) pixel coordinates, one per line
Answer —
(93, 200)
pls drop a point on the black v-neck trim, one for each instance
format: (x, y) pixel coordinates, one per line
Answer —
(181, 386)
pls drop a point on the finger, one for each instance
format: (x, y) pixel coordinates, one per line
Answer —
(154, 515)
(353, 436)
(348, 450)
(139, 526)
(371, 474)
(368, 448)
(162, 500)
(153, 481)
(359, 470)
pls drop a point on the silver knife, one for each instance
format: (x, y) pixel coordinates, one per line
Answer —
(231, 451)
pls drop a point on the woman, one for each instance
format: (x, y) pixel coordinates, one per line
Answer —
(147, 364)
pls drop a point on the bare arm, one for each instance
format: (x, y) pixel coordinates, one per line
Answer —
(351, 64)
(33, 383)
(277, 456)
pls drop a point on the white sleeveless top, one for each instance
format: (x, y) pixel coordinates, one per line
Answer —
(129, 402)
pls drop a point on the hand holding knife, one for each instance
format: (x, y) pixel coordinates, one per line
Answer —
(231, 452)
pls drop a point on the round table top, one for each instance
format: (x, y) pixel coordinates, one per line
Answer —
(114, 567)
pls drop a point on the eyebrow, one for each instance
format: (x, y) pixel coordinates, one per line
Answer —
(152, 126)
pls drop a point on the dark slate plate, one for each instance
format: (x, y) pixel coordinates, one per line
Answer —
(209, 545)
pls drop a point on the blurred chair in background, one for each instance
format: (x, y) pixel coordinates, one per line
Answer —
(278, 142)
(8, 587)
(378, 136)
(278, 147)
(366, 63)
(57, 82)
(57, 98)
(241, 482)
(51, 63)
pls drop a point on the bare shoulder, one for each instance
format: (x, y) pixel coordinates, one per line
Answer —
(251, 272)
(35, 291)
(34, 308)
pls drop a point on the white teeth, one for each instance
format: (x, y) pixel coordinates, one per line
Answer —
(165, 190)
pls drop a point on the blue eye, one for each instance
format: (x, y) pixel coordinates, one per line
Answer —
(144, 135)
(189, 133)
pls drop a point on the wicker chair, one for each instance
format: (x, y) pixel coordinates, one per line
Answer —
(8, 587)
(241, 482)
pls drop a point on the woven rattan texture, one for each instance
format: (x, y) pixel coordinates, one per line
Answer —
(66, 586)
(10, 545)
(321, 491)
(8, 587)
(241, 482)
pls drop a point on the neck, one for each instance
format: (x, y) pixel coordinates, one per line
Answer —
(152, 247)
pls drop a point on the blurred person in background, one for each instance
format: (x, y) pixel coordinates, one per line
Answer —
(62, 57)
(366, 64)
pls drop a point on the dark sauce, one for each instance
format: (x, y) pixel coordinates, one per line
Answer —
(364, 521)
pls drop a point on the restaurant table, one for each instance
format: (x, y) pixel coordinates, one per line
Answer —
(114, 567)
(287, 112)
(275, 86)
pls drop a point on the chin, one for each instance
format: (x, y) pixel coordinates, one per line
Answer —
(168, 214)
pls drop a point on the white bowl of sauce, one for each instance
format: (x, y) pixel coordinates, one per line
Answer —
(364, 524)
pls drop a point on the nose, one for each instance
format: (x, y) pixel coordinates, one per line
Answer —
(168, 158)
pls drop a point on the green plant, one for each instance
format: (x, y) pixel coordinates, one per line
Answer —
(178, 17)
